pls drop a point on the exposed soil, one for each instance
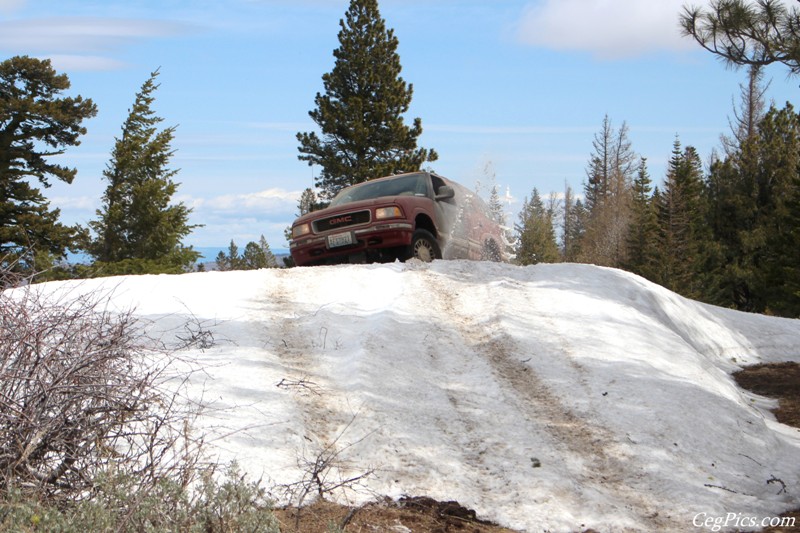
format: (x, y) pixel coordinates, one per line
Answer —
(782, 382)
(418, 514)
(425, 515)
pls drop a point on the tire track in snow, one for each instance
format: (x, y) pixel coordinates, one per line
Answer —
(305, 380)
(604, 469)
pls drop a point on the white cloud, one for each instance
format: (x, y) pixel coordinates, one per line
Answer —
(63, 62)
(471, 129)
(11, 5)
(609, 29)
(77, 203)
(80, 43)
(72, 34)
(243, 217)
(268, 202)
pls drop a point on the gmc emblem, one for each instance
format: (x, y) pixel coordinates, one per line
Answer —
(340, 220)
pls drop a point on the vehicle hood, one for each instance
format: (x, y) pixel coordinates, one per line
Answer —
(359, 205)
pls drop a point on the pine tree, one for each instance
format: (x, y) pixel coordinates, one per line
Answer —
(253, 257)
(536, 240)
(493, 203)
(573, 225)
(139, 227)
(788, 266)
(269, 257)
(36, 123)
(741, 32)
(307, 203)
(496, 206)
(643, 231)
(222, 261)
(733, 205)
(775, 228)
(682, 225)
(256, 255)
(360, 116)
(231, 261)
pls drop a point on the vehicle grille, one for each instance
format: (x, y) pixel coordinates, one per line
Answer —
(342, 220)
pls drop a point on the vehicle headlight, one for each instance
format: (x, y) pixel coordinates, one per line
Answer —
(388, 212)
(300, 230)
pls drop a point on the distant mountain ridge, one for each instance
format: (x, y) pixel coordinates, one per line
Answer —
(208, 254)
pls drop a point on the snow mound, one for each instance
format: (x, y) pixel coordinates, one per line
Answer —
(555, 397)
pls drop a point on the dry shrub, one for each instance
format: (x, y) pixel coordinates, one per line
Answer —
(83, 392)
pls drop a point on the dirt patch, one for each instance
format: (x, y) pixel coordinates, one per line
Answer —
(780, 381)
(417, 515)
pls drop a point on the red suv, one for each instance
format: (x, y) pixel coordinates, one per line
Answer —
(415, 215)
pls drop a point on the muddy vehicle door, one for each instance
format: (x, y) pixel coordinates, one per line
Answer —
(450, 213)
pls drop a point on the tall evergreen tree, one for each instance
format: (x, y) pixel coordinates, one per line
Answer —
(256, 255)
(36, 124)
(222, 262)
(496, 206)
(259, 255)
(775, 230)
(360, 115)
(493, 202)
(231, 261)
(732, 204)
(643, 231)
(567, 223)
(139, 227)
(308, 202)
(682, 224)
(253, 257)
(787, 267)
(536, 239)
(271, 260)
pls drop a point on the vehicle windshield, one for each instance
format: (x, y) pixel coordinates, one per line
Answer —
(411, 185)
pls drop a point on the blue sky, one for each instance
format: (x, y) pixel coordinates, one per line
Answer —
(513, 88)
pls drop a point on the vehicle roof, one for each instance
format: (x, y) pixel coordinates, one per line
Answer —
(403, 174)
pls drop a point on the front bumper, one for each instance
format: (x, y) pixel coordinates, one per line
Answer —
(380, 241)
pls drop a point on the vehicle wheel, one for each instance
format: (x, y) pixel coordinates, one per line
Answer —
(491, 251)
(424, 247)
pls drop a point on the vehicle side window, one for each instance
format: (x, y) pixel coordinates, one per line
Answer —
(422, 187)
(437, 184)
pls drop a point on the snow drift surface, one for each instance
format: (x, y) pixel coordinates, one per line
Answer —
(554, 397)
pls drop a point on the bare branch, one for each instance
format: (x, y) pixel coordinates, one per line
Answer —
(83, 391)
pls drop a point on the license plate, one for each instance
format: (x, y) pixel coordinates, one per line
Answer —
(340, 239)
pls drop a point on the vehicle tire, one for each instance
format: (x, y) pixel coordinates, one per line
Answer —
(424, 247)
(491, 251)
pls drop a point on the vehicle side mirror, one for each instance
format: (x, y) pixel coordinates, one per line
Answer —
(445, 193)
